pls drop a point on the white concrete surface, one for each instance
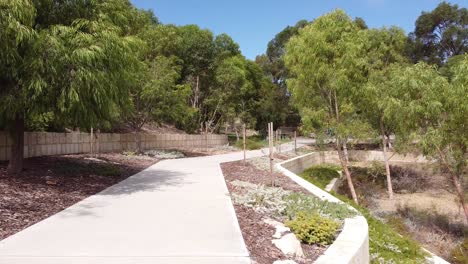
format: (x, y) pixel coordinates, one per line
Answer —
(176, 211)
(352, 244)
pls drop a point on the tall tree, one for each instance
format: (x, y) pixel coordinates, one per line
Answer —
(197, 53)
(384, 48)
(434, 111)
(439, 34)
(80, 71)
(326, 61)
(282, 111)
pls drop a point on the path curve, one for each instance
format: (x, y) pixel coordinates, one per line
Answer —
(176, 211)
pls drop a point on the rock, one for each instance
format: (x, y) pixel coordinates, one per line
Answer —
(289, 245)
(281, 229)
(287, 261)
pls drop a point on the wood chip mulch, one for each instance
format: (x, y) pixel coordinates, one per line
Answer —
(258, 235)
(50, 184)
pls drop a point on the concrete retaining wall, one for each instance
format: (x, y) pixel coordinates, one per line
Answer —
(46, 144)
(298, 165)
(352, 244)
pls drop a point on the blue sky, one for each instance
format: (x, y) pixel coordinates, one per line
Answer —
(252, 23)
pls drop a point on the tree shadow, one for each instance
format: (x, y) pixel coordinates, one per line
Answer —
(149, 180)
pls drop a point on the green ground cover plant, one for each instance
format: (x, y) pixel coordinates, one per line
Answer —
(386, 245)
(312, 220)
(251, 142)
(321, 175)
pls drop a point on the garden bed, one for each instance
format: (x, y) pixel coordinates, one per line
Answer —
(253, 177)
(422, 212)
(50, 184)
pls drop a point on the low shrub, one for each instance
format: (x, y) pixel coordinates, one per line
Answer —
(261, 198)
(398, 223)
(299, 202)
(407, 179)
(386, 245)
(460, 253)
(321, 175)
(286, 204)
(108, 170)
(69, 167)
(434, 220)
(251, 143)
(313, 228)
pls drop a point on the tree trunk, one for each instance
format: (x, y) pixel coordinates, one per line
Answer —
(344, 165)
(387, 165)
(237, 135)
(196, 93)
(15, 166)
(345, 152)
(461, 195)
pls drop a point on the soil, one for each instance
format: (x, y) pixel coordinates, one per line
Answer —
(256, 233)
(50, 184)
(436, 197)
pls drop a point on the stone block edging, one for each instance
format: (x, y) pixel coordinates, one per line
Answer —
(352, 244)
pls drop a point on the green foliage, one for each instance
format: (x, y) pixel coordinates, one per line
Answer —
(439, 34)
(299, 202)
(433, 220)
(286, 204)
(321, 175)
(251, 142)
(385, 244)
(102, 169)
(313, 228)
(325, 62)
(276, 105)
(460, 253)
(81, 71)
(264, 199)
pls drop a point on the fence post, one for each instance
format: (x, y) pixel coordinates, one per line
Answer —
(271, 143)
(243, 139)
(280, 140)
(98, 149)
(295, 142)
(91, 146)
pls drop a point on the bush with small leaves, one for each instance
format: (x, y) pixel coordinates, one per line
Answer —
(263, 199)
(460, 253)
(298, 202)
(313, 228)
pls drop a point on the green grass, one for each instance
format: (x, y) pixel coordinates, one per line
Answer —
(321, 175)
(251, 143)
(78, 168)
(386, 245)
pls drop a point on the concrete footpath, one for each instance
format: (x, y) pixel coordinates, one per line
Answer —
(176, 211)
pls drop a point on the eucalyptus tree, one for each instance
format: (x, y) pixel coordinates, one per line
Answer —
(432, 110)
(197, 50)
(385, 47)
(325, 61)
(439, 34)
(236, 94)
(77, 65)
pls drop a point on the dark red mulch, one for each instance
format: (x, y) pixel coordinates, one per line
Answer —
(51, 184)
(258, 235)
(238, 171)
